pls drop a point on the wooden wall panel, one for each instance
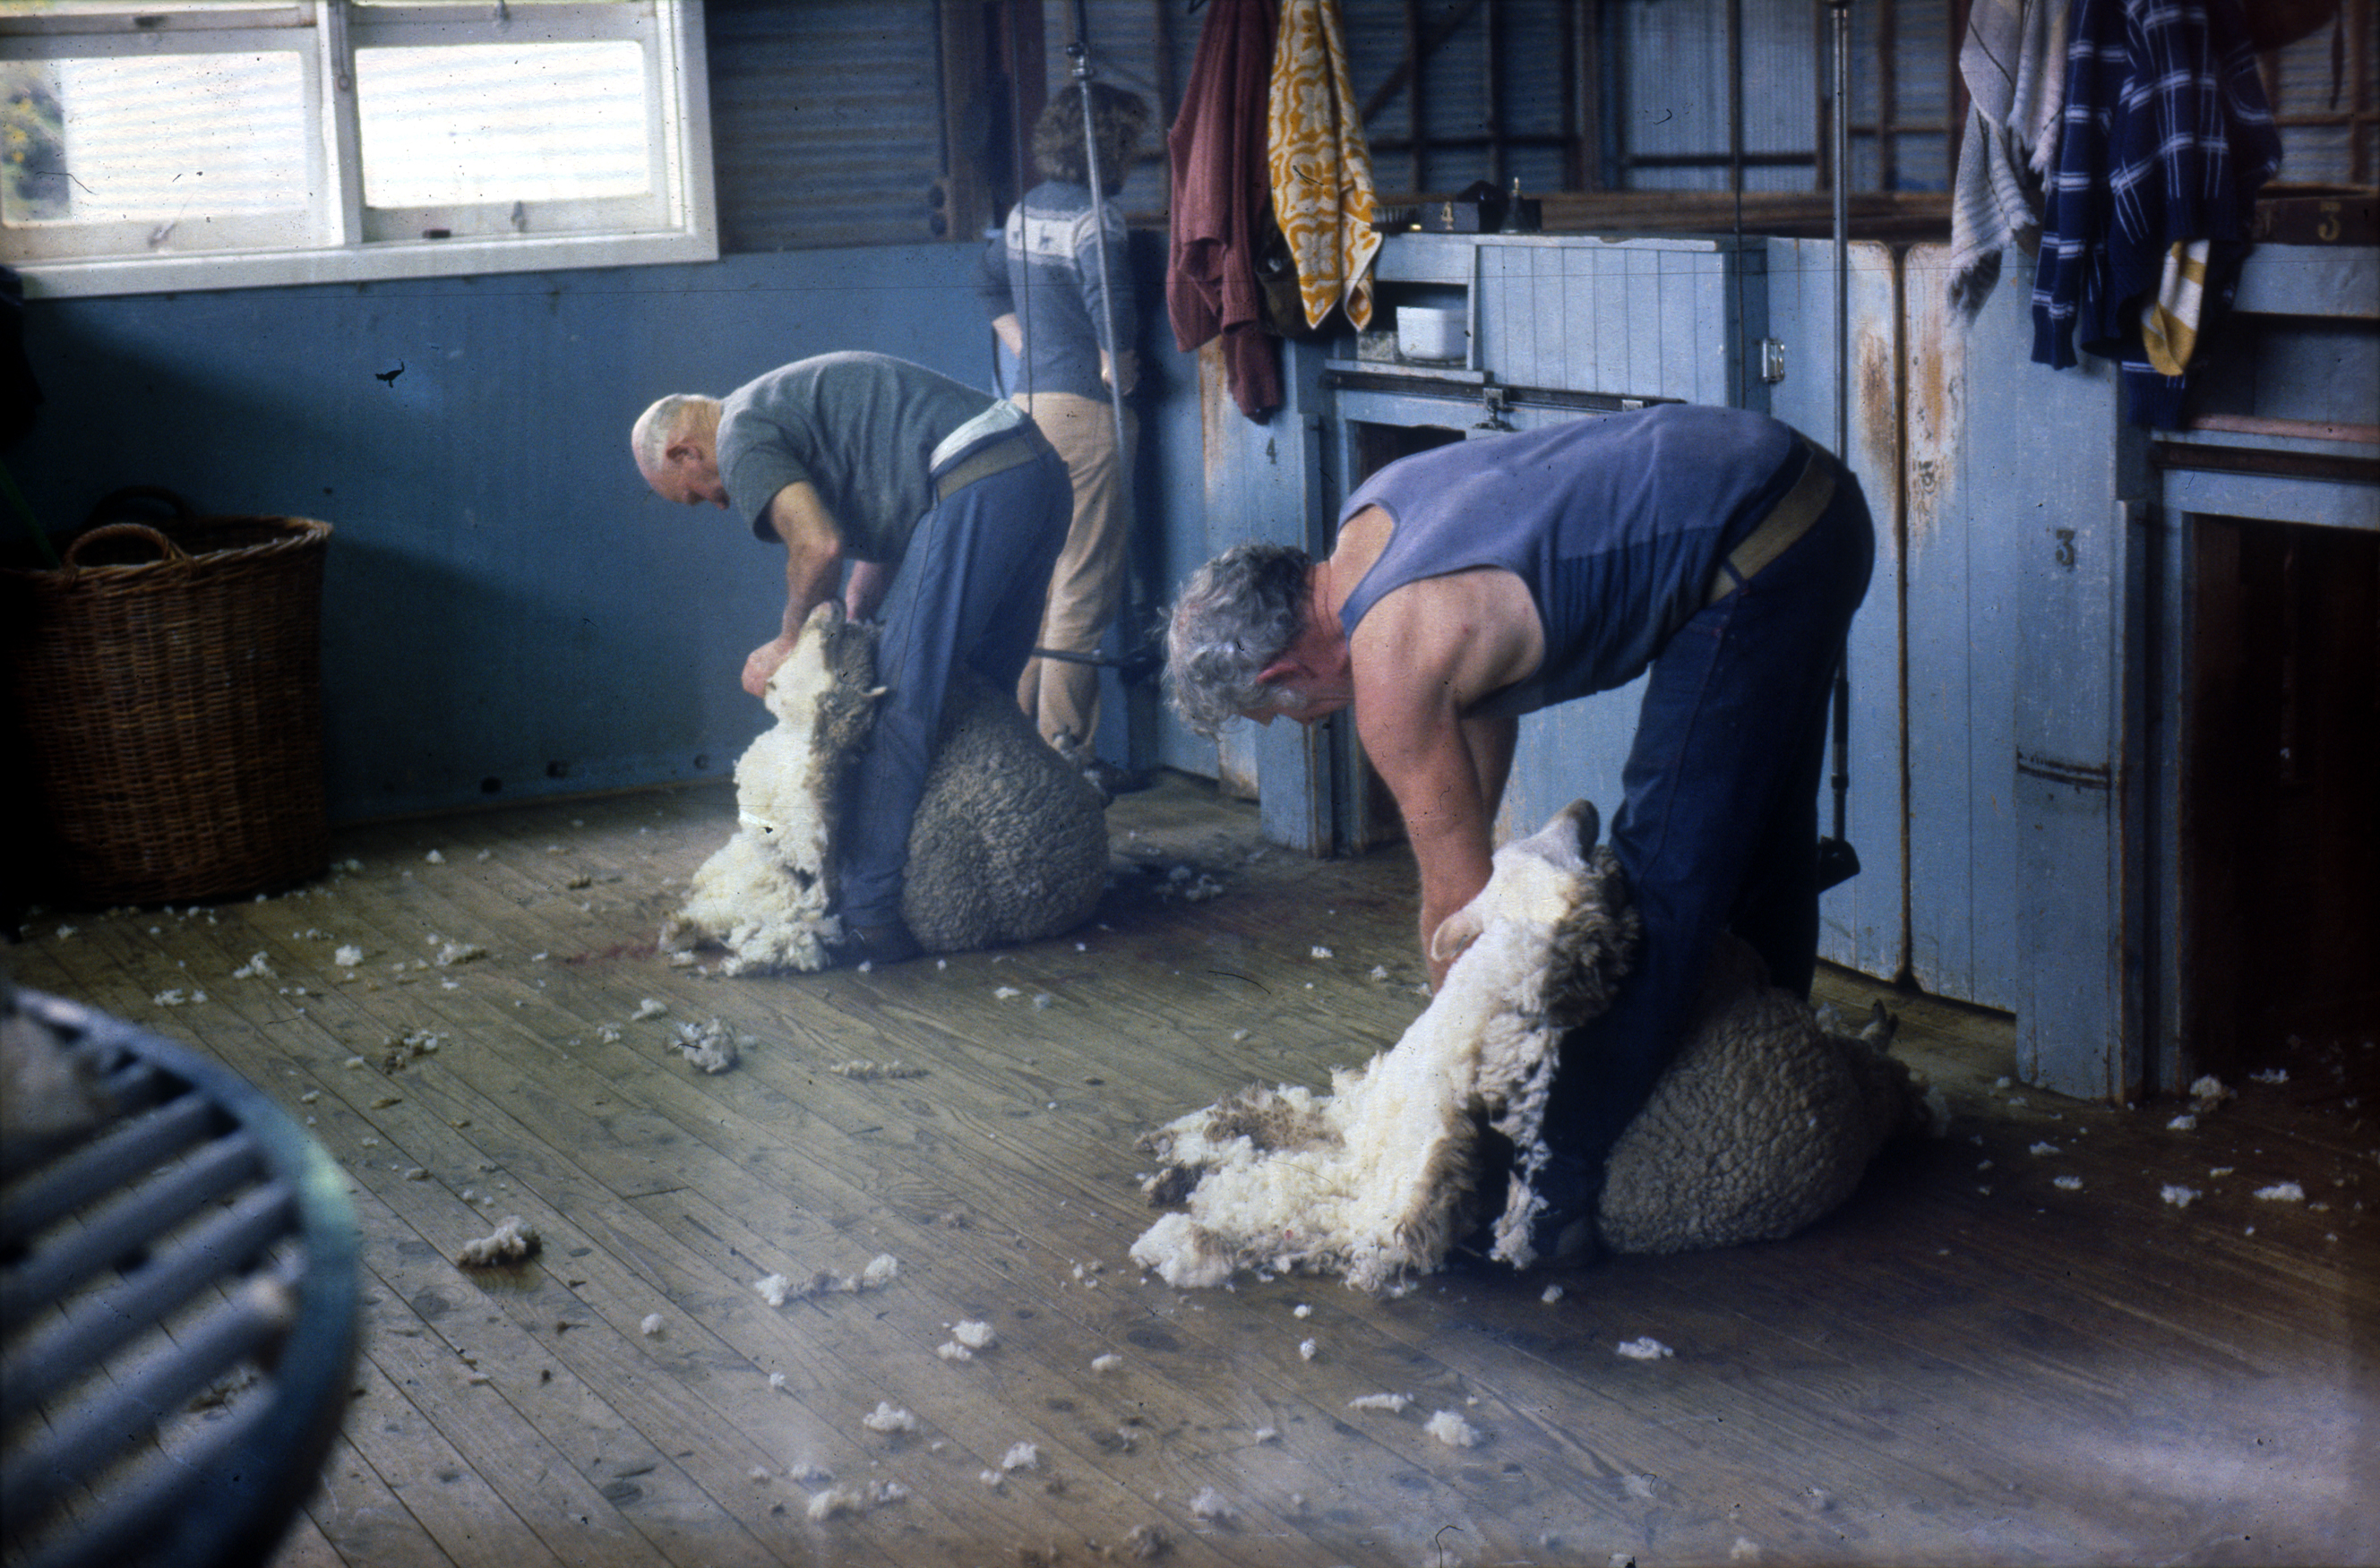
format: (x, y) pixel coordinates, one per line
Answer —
(1645, 318)
(1264, 481)
(2067, 467)
(1861, 923)
(1964, 507)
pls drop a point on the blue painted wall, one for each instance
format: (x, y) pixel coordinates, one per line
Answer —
(507, 610)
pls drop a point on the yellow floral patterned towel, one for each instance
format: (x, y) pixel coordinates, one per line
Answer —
(1321, 169)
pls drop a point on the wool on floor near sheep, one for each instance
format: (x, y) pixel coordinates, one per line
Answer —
(1008, 842)
(777, 1289)
(510, 1242)
(1452, 1430)
(840, 1501)
(712, 1046)
(1763, 1122)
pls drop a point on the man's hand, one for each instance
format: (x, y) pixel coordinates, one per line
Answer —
(813, 561)
(762, 663)
(1427, 653)
(1130, 379)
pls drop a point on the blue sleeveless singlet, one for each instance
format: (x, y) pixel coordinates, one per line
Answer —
(1614, 523)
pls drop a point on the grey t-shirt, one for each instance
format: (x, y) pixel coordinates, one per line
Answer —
(861, 427)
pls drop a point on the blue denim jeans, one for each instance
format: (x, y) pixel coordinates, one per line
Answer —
(969, 591)
(1718, 828)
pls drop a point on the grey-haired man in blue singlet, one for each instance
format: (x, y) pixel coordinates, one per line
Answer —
(1483, 580)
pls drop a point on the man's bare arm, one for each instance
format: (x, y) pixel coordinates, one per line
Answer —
(1493, 742)
(1423, 656)
(1426, 758)
(813, 562)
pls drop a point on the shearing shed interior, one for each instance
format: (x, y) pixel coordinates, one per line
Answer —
(397, 1173)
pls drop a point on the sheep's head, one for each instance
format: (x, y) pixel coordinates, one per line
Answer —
(1595, 942)
(1560, 880)
(828, 683)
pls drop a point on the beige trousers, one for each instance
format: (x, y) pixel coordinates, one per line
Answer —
(1060, 696)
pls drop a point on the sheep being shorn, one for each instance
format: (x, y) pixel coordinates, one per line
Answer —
(768, 894)
(1762, 1123)
(1008, 844)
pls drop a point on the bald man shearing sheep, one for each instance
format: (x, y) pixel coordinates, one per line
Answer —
(1479, 581)
(950, 509)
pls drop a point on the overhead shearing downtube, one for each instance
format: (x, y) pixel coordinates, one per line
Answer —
(1079, 51)
(1838, 862)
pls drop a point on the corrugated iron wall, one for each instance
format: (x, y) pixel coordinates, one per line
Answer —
(1668, 70)
(1142, 47)
(825, 122)
(2326, 91)
(827, 115)
(1903, 57)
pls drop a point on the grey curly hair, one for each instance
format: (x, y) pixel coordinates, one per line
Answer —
(1235, 615)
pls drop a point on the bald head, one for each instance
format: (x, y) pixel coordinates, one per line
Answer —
(676, 443)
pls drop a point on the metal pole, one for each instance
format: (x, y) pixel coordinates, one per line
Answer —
(1079, 51)
(1842, 158)
(1837, 860)
(1735, 104)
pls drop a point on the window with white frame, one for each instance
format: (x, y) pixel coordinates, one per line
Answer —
(228, 144)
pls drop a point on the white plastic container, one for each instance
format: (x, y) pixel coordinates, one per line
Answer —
(1425, 333)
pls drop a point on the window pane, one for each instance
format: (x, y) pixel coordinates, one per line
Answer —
(168, 137)
(468, 124)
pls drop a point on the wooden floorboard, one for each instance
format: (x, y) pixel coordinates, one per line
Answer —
(1969, 1364)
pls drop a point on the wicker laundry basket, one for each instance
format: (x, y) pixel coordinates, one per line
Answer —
(168, 679)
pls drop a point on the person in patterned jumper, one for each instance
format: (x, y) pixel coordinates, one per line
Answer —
(1050, 301)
